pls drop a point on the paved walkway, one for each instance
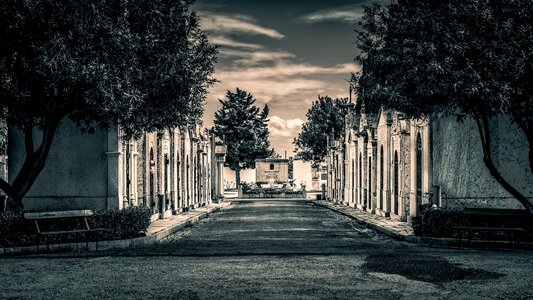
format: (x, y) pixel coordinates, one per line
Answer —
(272, 249)
(165, 227)
(390, 227)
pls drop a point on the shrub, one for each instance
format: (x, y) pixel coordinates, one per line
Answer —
(439, 222)
(15, 230)
(120, 224)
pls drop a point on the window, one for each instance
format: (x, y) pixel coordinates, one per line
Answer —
(324, 176)
(271, 167)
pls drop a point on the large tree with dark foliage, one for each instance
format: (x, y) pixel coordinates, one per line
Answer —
(471, 58)
(325, 119)
(144, 65)
(244, 129)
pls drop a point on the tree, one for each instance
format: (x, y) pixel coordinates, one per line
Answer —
(324, 118)
(244, 129)
(143, 66)
(175, 65)
(470, 58)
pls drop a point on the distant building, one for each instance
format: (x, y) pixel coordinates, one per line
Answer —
(167, 171)
(389, 165)
(272, 170)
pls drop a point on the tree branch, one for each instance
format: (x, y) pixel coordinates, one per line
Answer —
(527, 128)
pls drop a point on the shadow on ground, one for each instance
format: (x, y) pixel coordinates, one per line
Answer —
(431, 269)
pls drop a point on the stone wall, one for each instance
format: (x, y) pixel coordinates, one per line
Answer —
(458, 166)
(72, 177)
(164, 171)
(303, 173)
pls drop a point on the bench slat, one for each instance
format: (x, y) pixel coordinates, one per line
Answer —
(495, 212)
(59, 214)
(72, 231)
(489, 228)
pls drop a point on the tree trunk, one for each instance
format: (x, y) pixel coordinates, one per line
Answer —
(484, 134)
(33, 165)
(528, 130)
(238, 176)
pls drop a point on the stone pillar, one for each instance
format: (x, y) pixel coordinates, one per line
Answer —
(114, 170)
(220, 179)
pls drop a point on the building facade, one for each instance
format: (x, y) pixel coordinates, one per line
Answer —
(272, 170)
(389, 165)
(169, 171)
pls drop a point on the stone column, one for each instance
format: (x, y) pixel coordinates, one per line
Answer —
(114, 170)
(220, 179)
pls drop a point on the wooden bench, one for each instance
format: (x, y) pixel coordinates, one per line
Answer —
(470, 229)
(62, 215)
(485, 219)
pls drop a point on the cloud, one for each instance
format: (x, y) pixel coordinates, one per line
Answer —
(279, 127)
(295, 70)
(283, 81)
(346, 14)
(236, 24)
(254, 58)
(228, 42)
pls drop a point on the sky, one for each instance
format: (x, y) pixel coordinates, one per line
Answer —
(285, 53)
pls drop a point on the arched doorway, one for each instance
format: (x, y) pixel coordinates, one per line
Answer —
(166, 183)
(151, 197)
(187, 178)
(353, 180)
(418, 178)
(382, 186)
(178, 180)
(396, 191)
(369, 182)
(361, 200)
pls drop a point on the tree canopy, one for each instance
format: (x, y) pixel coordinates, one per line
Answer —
(144, 65)
(325, 118)
(471, 58)
(243, 127)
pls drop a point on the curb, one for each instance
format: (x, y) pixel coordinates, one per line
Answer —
(435, 241)
(114, 244)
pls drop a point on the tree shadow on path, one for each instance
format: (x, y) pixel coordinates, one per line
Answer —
(431, 269)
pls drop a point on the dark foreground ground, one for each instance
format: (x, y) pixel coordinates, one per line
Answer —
(274, 249)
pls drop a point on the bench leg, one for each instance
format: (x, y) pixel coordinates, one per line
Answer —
(516, 240)
(87, 242)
